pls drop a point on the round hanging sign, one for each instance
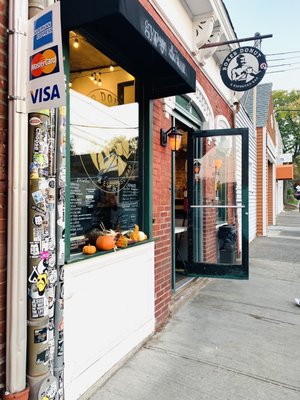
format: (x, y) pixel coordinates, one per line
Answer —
(243, 68)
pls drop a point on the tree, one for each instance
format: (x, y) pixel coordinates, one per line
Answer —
(287, 113)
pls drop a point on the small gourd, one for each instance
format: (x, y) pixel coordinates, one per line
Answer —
(142, 236)
(89, 249)
(135, 234)
(105, 242)
(122, 241)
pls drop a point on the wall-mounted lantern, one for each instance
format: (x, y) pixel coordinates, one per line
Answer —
(175, 138)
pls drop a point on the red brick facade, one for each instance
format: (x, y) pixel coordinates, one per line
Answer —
(3, 180)
(162, 183)
(264, 187)
(161, 217)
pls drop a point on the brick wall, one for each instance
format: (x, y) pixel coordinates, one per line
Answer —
(260, 181)
(271, 123)
(3, 181)
(270, 193)
(162, 183)
(162, 217)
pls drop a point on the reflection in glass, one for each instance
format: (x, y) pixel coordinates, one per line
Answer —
(217, 197)
(104, 141)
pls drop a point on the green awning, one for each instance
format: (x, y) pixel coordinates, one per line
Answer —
(127, 33)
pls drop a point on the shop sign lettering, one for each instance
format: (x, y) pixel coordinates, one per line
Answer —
(165, 47)
(46, 83)
(45, 94)
(243, 68)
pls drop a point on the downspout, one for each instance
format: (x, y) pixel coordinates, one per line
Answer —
(16, 322)
(34, 7)
(236, 109)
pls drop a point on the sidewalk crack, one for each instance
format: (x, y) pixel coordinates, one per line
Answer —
(224, 367)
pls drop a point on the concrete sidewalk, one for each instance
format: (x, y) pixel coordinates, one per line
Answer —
(232, 340)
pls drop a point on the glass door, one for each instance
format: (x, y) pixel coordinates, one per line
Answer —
(218, 236)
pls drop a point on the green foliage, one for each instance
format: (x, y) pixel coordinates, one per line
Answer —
(287, 107)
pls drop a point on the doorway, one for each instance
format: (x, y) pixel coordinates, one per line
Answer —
(180, 211)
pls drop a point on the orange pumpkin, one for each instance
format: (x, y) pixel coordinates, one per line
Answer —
(89, 249)
(105, 242)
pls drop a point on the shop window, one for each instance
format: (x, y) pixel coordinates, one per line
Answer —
(104, 145)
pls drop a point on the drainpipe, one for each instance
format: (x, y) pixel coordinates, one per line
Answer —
(235, 111)
(16, 323)
(34, 7)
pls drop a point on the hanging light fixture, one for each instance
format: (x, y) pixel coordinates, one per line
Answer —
(174, 136)
(218, 164)
(76, 43)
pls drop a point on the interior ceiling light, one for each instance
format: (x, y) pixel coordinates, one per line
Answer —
(111, 68)
(76, 43)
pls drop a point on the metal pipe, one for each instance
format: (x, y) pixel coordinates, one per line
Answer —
(206, 46)
(34, 7)
(16, 324)
(214, 206)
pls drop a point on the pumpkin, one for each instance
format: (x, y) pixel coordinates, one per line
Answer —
(122, 241)
(89, 249)
(105, 242)
(142, 236)
(92, 235)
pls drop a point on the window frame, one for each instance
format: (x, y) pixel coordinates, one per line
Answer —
(145, 152)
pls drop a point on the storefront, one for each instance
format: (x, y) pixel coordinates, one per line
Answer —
(120, 62)
(127, 216)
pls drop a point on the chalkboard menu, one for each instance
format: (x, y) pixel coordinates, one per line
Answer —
(104, 187)
(129, 198)
(82, 205)
(90, 206)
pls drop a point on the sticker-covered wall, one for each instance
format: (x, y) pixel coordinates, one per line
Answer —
(46, 253)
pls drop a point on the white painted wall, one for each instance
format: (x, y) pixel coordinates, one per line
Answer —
(173, 12)
(279, 184)
(109, 310)
(243, 121)
(279, 197)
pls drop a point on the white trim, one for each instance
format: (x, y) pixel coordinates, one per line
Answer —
(221, 122)
(16, 323)
(199, 100)
(274, 191)
(264, 182)
(271, 149)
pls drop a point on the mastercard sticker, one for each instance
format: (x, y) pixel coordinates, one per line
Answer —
(44, 63)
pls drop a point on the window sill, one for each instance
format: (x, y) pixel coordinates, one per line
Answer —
(83, 257)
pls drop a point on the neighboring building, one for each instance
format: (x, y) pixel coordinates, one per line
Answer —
(101, 164)
(243, 120)
(269, 145)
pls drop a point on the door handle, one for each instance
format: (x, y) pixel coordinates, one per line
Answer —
(216, 206)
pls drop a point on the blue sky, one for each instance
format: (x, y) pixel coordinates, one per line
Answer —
(280, 18)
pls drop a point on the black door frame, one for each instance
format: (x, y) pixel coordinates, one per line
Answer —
(217, 270)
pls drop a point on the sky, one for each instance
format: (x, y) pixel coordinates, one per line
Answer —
(280, 18)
